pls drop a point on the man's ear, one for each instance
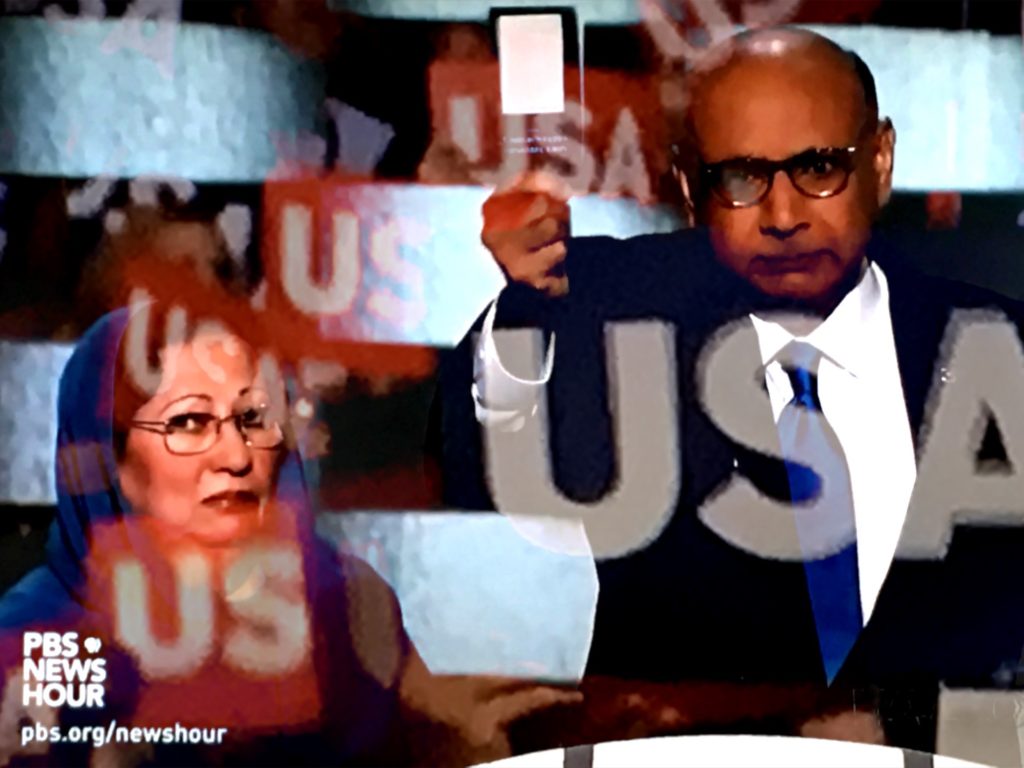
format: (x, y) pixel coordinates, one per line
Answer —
(884, 160)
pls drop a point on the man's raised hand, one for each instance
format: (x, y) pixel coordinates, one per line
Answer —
(526, 224)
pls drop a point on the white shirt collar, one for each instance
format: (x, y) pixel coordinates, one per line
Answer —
(847, 336)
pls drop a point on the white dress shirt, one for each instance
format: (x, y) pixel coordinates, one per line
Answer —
(861, 395)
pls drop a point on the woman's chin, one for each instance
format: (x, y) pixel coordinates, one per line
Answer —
(222, 535)
(208, 529)
(226, 531)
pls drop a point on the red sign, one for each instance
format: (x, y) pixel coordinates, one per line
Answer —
(614, 140)
(301, 294)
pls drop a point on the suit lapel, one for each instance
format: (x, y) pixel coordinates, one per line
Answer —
(711, 455)
(918, 324)
(919, 319)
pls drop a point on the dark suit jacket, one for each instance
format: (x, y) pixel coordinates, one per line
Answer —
(691, 606)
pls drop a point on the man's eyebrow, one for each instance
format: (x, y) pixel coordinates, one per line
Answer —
(800, 153)
(185, 397)
(737, 159)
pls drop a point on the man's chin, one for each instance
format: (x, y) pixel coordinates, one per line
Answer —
(797, 289)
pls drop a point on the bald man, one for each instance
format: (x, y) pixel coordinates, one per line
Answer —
(762, 571)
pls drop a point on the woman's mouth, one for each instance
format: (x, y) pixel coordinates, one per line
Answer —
(233, 501)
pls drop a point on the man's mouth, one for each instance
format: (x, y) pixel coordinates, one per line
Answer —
(787, 263)
(233, 501)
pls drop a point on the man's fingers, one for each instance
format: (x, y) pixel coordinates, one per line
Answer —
(555, 209)
(545, 259)
(525, 232)
(533, 267)
(544, 232)
(554, 287)
(514, 211)
(537, 181)
(549, 184)
(537, 210)
(537, 251)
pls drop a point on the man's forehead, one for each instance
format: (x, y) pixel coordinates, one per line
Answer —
(777, 101)
(774, 43)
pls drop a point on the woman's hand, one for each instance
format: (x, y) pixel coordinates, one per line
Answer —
(468, 716)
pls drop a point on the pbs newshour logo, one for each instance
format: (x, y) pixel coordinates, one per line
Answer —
(56, 674)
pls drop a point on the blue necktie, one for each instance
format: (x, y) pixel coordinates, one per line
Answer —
(832, 581)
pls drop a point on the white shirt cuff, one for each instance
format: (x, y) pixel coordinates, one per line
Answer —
(499, 397)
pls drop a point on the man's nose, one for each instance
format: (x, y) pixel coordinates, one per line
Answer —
(782, 210)
(232, 453)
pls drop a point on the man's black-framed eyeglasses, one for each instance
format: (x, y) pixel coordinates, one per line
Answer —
(195, 431)
(743, 182)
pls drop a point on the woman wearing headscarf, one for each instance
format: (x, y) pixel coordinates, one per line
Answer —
(183, 543)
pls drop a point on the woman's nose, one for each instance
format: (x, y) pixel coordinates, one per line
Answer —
(232, 452)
